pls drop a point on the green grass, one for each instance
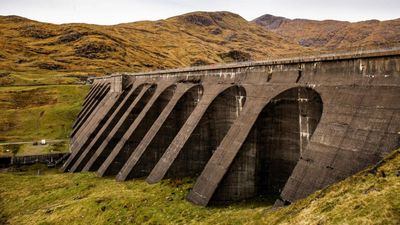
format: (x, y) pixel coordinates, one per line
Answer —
(40, 112)
(370, 197)
(32, 77)
(85, 199)
(30, 149)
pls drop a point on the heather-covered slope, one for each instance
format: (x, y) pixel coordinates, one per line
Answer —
(334, 34)
(191, 39)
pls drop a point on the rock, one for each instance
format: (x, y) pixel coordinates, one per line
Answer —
(93, 50)
(51, 66)
(35, 32)
(235, 55)
(70, 37)
(19, 61)
(199, 62)
(198, 20)
(4, 74)
(216, 31)
(269, 21)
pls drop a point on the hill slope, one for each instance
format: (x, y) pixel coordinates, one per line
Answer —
(191, 39)
(42, 112)
(334, 34)
(370, 197)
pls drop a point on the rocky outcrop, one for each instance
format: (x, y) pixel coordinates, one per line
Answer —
(93, 50)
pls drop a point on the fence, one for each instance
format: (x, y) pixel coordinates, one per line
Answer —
(51, 159)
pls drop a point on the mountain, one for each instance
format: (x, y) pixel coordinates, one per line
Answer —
(333, 34)
(192, 39)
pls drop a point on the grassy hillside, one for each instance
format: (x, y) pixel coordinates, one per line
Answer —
(332, 34)
(191, 39)
(33, 113)
(370, 197)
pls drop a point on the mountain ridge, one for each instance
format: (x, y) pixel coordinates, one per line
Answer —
(197, 38)
(333, 34)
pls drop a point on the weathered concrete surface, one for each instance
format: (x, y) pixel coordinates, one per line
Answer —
(103, 91)
(93, 143)
(270, 138)
(286, 127)
(104, 113)
(88, 97)
(79, 139)
(113, 123)
(174, 149)
(162, 132)
(137, 129)
(143, 93)
(93, 90)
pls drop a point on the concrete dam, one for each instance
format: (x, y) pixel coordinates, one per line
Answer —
(286, 127)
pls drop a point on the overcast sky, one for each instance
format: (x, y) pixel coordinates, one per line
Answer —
(120, 11)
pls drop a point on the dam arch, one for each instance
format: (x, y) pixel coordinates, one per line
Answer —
(143, 93)
(209, 132)
(120, 155)
(273, 147)
(151, 152)
(97, 127)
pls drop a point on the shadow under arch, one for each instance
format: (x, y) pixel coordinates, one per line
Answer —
(165, 135)
(273, 147)
(117, 132)
(119, 156)
(209, 132)
(103, 129)
(83, 139)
